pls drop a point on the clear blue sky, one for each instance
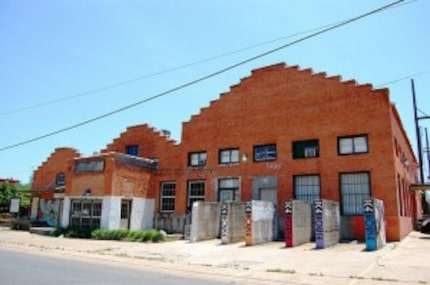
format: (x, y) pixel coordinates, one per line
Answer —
(51, 50)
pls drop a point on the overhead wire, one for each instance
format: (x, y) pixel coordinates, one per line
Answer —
(142, 77)
(205, 77)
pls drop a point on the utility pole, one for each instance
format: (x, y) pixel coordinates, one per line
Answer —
(427, 150)
(418, 133)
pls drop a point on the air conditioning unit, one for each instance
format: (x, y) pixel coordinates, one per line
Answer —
(310, 152)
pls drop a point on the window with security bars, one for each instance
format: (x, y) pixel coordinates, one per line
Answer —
(167, 196)
(196, 192)
(85, 213)
(307, 188)
(354, 189)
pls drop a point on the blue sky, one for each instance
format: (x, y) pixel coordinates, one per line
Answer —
(59, 50)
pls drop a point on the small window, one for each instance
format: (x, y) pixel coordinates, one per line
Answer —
(167, 196)
(89, 166)
(265, 152)
(229, 156)
(352, 145)
(60, 179)
(197, 159)
(305, 149)
(132, 150)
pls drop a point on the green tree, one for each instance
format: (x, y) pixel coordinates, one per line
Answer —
(7, 192)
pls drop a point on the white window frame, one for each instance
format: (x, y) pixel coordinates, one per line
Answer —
(197, 158)
(353, 145)
(166, 200)
(229, 156)
(191, 198)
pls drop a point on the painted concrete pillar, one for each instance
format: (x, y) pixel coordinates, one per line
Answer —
(298, 223)
(327, 223)
(374, 224)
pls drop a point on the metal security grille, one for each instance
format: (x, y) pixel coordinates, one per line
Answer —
(167, 196)
(85, 213)
(354, 188)
(307, 188)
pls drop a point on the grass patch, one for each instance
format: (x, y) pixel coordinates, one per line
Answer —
(103, 234)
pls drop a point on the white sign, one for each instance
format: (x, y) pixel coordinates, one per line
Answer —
(14, 205)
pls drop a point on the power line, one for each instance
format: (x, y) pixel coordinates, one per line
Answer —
(139, 78)
(216, 73)
(403, 78)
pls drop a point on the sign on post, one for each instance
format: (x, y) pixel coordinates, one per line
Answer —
(14, 205)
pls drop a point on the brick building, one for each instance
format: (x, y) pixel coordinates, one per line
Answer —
(281, 133)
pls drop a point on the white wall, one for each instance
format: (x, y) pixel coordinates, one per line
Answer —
(142, 214)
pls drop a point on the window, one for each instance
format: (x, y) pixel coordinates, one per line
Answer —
(305, 149)
(227, 189)
(351, 145)
(354, 188)
(89, 166)
(265, 152)
(307, 188)
(167, 196)
(228, 156)
(132, 150)
(196, 192)
(85, 213)
(60, 179)
(197, 159)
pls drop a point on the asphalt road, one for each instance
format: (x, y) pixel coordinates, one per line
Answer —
(21, 268)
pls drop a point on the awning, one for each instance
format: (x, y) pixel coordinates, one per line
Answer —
(420, 187)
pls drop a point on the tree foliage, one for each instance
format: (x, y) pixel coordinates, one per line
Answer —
(9, 191)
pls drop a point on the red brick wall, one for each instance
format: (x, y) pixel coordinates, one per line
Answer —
(152, 143)
(280, 104)
(44, 176)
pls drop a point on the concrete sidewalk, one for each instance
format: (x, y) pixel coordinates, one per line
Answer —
(405, 262)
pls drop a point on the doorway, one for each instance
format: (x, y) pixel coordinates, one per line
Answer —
(125, 214)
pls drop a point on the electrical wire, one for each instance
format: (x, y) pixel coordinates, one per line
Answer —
(205, 77)
(139, 78)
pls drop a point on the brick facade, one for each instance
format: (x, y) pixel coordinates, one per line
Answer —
(278, 110)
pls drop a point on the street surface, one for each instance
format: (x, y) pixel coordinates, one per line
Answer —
(405, 262)
(21, 268)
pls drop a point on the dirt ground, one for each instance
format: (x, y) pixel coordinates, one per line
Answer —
(405, 262)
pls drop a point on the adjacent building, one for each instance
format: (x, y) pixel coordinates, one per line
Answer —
(281, 133)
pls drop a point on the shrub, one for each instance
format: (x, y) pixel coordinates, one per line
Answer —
(77, 233)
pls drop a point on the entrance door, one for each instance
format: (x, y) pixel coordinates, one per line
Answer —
(125, 214)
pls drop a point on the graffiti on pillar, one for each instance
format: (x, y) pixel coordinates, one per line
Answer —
(369, 224)
(224, 221)
(319, 227)
(288, 223)
(248, 229)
